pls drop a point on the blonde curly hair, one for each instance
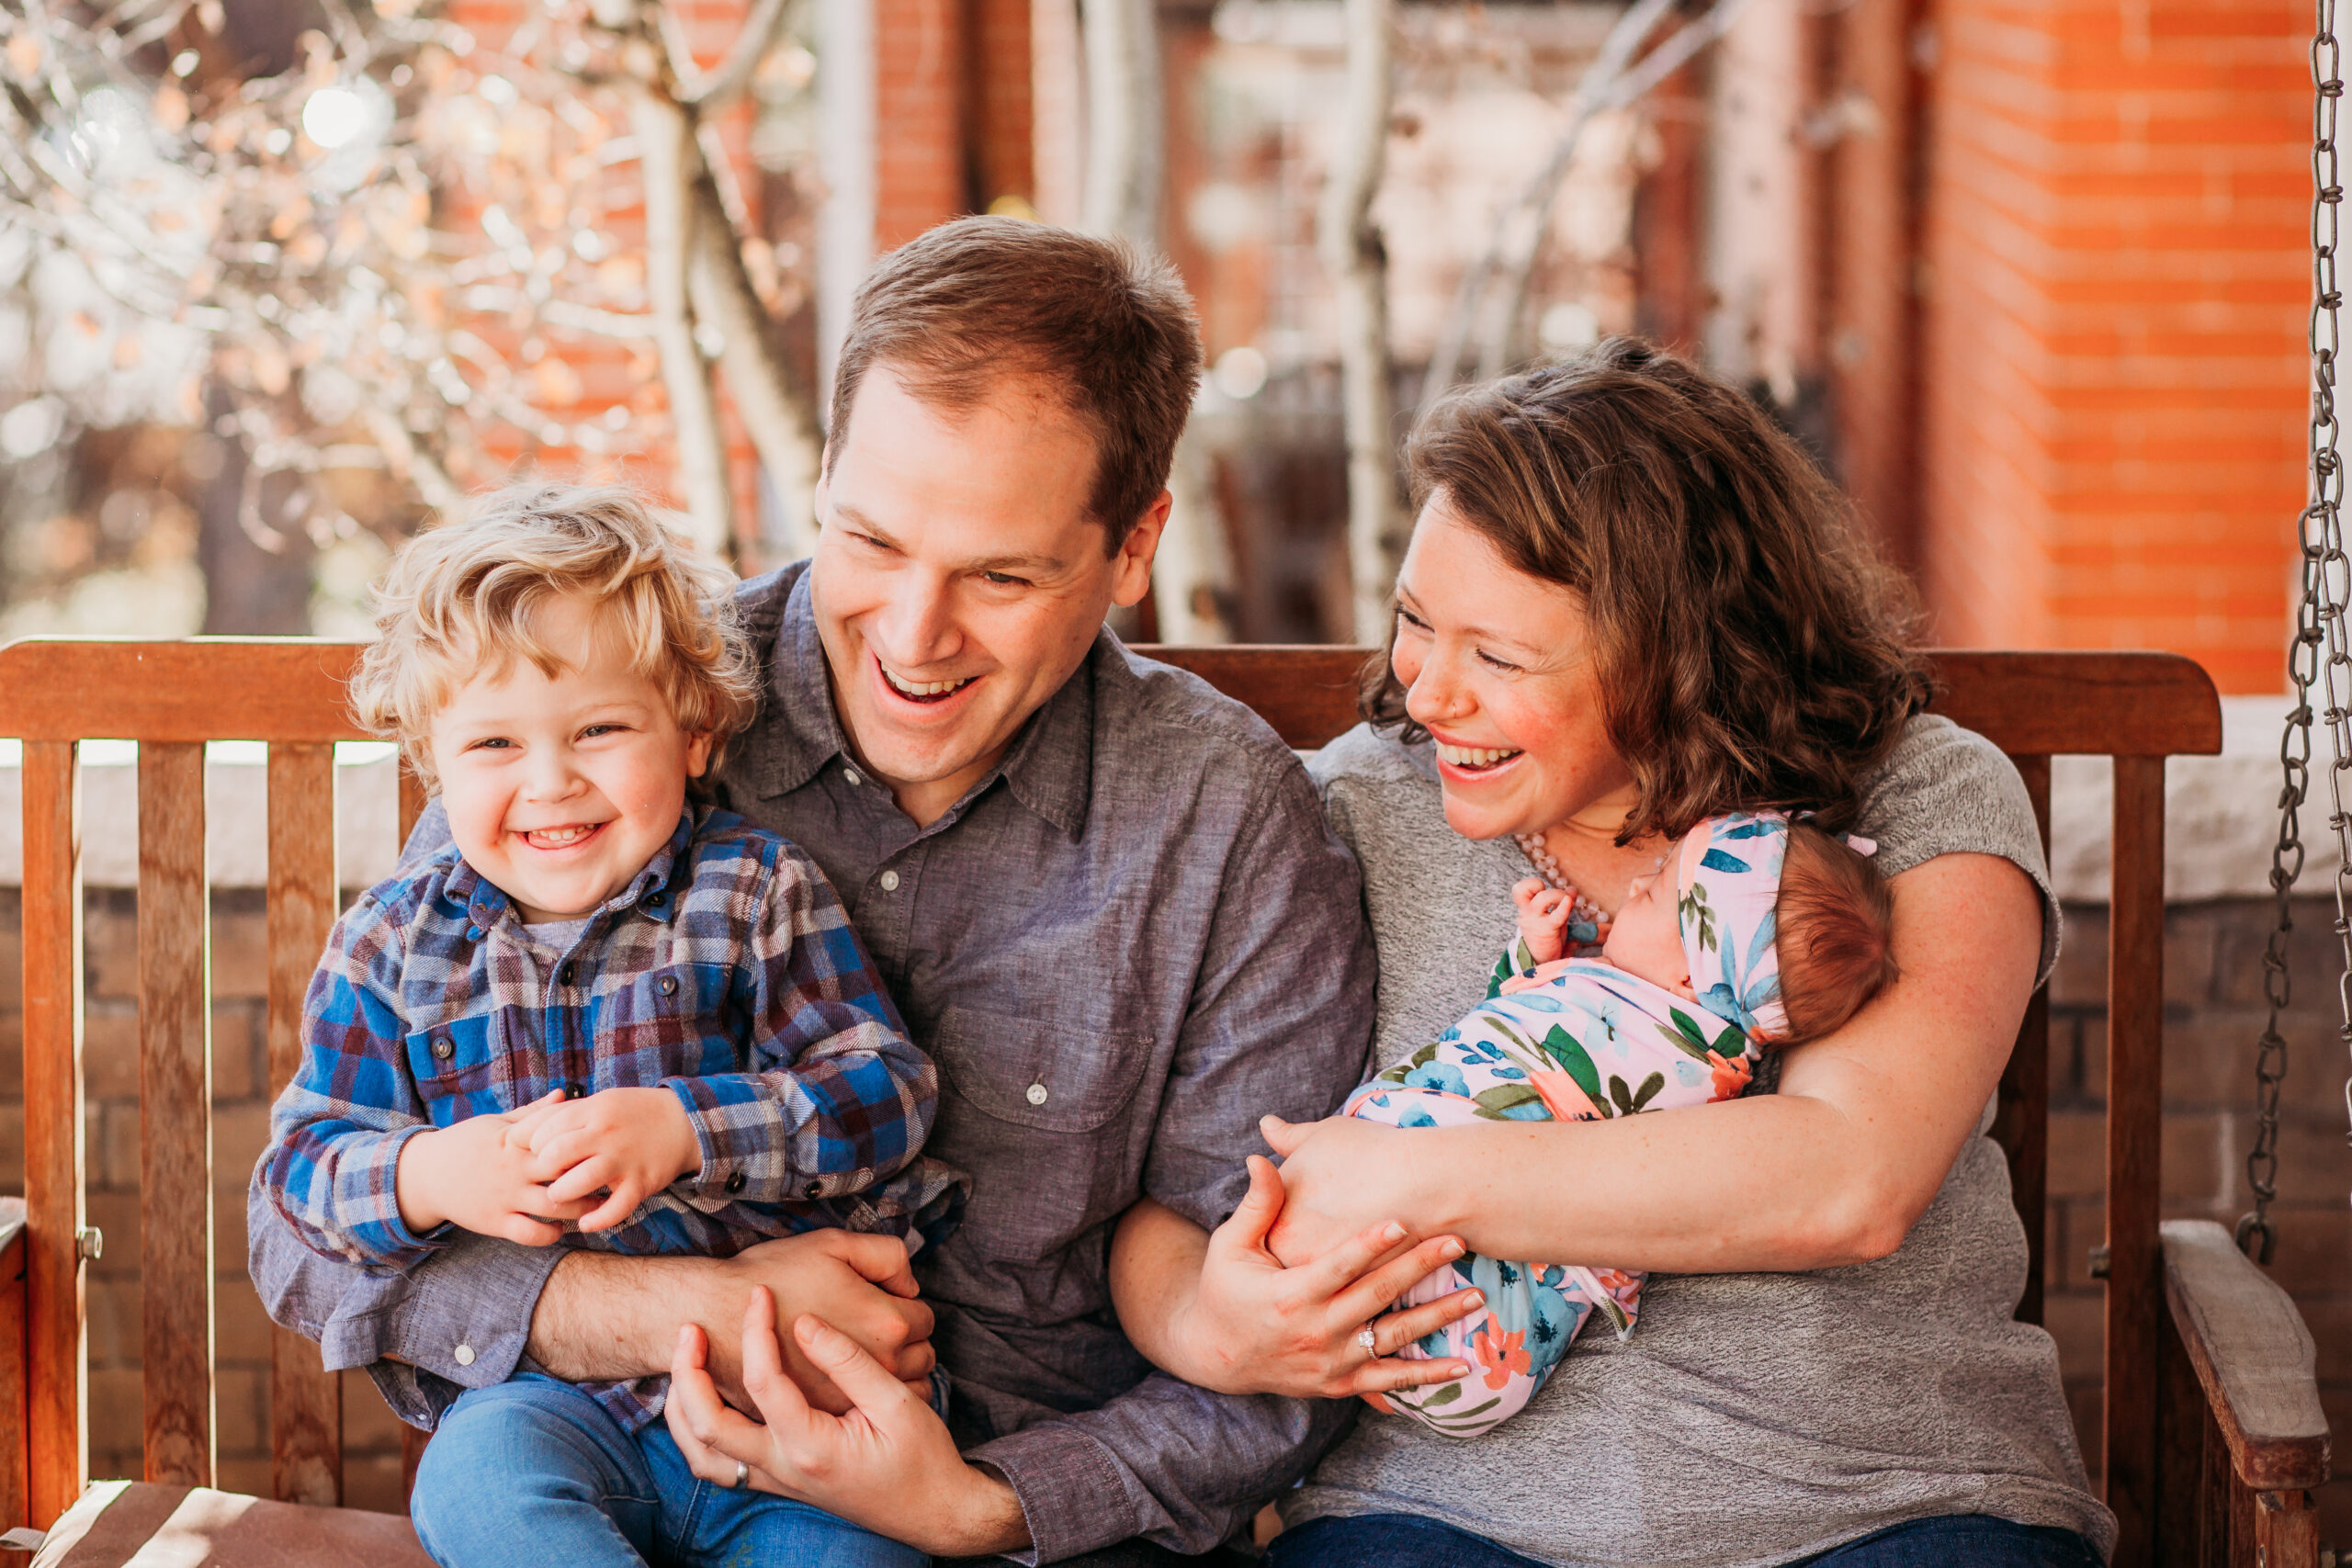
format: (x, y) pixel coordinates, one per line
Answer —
(460, 601)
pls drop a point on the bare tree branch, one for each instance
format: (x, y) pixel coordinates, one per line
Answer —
(782, 426)
(1613, 81)
(716, 88)
(665, 147)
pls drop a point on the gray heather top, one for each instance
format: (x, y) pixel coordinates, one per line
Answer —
(1751, 1418)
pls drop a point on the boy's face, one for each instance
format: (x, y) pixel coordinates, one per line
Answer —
(959, 577)
(1645, 938)
(559, 791)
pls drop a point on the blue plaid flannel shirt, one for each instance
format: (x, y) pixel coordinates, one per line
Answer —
(725, 971)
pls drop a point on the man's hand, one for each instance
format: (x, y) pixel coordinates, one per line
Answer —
(471, 1175)
(604, 1317)
(628, 1142)
(888, 1464)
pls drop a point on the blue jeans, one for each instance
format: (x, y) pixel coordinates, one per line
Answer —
(1408, 1541)
(533, 1471)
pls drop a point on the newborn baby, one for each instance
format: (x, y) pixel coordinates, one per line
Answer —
(1758, 933)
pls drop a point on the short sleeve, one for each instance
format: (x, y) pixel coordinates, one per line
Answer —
(1945, 790)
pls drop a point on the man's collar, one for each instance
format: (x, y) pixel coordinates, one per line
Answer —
(1050, 767)
(802, 732)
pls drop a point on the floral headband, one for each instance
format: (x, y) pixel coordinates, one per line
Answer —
(1725, 899)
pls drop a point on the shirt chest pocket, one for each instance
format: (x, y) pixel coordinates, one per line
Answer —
(675, 1021)
(1042, 1115)
(453, 1066)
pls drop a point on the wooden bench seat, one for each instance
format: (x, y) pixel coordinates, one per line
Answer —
(2212, 1428)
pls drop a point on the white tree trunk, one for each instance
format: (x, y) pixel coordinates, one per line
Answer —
(1195, 567)
(1126, 127)
(783, 427)
(670, 160)
(1354, 256)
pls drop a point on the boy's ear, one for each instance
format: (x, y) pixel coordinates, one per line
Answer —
(698, 752)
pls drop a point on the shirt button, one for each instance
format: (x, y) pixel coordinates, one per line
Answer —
(655, 900)
(464, 1355)
(564, 974)
(735, 1182)
(575, 1090)
(814, 1189)
(890, 882)
(1036, 1095)
(443, 1048)
(852, 777)
(669, 985)
(473, 933)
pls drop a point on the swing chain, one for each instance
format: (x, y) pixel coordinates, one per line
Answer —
(2319, 621)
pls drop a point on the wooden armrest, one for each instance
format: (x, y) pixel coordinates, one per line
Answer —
(2253, 1355)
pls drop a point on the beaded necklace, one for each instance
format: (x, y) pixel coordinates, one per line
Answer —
(1547, 866)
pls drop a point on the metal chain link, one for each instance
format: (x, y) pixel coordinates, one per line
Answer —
(2319, 622)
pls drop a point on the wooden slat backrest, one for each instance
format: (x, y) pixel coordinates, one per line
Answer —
(2138, 707)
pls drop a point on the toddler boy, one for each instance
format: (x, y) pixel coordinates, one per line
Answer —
(604, 1016)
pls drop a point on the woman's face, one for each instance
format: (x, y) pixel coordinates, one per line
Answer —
(1498, 667)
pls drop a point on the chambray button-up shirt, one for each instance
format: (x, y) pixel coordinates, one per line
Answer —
(1130, 940)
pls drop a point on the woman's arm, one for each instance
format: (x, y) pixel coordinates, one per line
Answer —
(1834, 1168)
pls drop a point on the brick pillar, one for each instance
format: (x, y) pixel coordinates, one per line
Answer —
(952, 111)
(2113, 395)
(1869, 311)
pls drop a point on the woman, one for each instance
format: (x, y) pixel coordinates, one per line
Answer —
(1629, 602)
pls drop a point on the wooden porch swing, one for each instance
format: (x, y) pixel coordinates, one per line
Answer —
(2211, 1424)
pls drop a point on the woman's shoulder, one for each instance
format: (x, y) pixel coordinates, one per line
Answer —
(1943, 789)
(1369, 760)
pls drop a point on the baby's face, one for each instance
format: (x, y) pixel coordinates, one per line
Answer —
(1646, 939)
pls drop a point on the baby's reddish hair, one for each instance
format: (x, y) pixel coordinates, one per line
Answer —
(1835, 932)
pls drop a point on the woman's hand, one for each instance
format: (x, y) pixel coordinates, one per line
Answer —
(1340, 1177)
(1223, 1312)
(888, 1464)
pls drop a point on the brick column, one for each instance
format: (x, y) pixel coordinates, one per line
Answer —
(2113, 395)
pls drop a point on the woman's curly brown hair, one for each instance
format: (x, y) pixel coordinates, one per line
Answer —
(1753, 650)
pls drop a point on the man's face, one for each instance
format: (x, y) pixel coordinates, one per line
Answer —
(959, 579)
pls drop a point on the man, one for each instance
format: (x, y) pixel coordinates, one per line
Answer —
(1104, 897)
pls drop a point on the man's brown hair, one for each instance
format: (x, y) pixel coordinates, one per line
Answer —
(1833, 932)
(1753, 651)
(957, 310)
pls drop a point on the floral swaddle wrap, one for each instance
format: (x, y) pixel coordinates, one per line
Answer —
(1580, 1039)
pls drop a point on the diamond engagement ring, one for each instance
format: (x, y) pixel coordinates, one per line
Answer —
(1364, 1338)
(742, 1475)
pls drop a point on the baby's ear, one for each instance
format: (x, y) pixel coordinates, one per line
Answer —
(698, 752)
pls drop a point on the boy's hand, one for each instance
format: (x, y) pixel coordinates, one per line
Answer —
(471, 1175)
(1543, 917)
(630, 1142)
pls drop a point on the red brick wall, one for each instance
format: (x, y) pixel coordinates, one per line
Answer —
(2115, 283)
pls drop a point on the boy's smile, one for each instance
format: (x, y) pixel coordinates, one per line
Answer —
(560, 789)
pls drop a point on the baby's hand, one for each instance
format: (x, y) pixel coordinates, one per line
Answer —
(628, 1142)
(1543, 917)
(472, 1176)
